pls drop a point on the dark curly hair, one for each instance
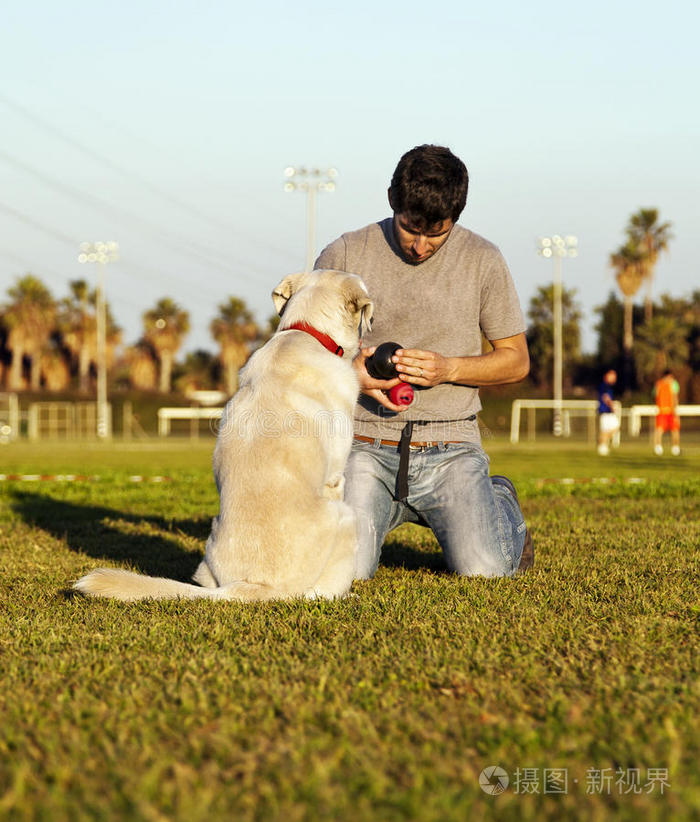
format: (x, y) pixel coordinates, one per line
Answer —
(429, 185)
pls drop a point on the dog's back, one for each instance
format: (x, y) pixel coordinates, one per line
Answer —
(283, 436)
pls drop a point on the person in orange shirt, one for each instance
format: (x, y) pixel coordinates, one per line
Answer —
(666, 398)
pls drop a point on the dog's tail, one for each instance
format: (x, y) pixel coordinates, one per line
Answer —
(130, 587)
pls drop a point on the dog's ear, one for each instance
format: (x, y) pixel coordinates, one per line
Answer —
(361, 303)
(367, 317)
(285, 289)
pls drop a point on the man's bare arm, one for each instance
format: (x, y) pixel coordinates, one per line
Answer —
(508, 362)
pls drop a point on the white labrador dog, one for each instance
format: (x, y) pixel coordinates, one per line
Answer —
(283, 529)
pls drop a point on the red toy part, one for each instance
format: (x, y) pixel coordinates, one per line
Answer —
(401, 394)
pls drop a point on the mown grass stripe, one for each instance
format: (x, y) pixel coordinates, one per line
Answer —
(384, 706)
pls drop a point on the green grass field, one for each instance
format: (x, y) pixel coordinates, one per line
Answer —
(580, 679)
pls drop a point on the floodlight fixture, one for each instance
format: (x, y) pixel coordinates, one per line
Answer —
(310, 181)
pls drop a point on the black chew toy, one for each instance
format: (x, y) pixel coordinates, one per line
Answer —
(379, 365)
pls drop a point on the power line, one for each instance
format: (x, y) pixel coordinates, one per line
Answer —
(83, 197)
(27, 265)
(41, 270)
(64, 238)
(129, 268)
(44, 125)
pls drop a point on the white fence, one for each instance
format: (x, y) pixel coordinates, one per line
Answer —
(64, 420)
(165, 415)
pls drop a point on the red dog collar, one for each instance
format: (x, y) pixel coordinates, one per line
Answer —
(326, 341)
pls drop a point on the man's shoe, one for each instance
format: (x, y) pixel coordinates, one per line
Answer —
(527, 558)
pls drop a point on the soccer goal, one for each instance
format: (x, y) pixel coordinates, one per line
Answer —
(570, 410)
(637, 412)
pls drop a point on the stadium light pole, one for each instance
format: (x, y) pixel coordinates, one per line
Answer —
(557, 247)
(310, 180)
(101, 253)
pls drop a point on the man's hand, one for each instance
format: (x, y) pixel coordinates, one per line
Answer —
(507, 362)
(427, 368)
(375, 388)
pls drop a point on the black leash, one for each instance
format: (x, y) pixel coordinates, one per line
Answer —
(402, 476)
(404, 450)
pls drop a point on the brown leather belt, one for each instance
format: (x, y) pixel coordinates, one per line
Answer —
(404, 446)
(396, 443)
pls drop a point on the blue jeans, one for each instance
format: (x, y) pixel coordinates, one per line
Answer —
(477, 521)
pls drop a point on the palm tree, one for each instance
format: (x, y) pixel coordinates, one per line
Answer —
(77, 322)
(30, 318)
(165, 326)
(234, 329)
(113, 338)
(649, 237)
(78, 326)
(54, 369)
(143, 372)
(628, 265)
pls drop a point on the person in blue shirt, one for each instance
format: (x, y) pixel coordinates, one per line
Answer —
(608, 422)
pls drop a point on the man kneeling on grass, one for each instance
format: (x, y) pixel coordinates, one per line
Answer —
(436, 287)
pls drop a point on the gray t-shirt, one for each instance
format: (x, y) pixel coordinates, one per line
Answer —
(443, 304)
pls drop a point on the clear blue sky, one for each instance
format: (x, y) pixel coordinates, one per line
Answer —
(167, 127)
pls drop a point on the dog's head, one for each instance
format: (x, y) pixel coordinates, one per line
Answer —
(334, 302)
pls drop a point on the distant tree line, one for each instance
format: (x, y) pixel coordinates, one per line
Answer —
(51, 344)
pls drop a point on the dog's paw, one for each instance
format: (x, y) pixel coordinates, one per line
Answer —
(335, 487)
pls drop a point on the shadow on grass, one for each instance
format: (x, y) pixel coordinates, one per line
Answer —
(399, 552)
(87, 529)
(103, 533)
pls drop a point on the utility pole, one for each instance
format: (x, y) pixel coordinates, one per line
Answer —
(557, 248)
(311, 181)
(101, 253)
